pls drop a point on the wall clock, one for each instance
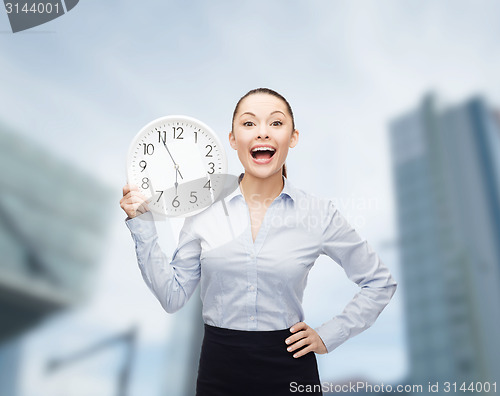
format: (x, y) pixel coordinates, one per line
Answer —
(179, 163)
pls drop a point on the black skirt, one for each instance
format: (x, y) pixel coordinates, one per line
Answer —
(253, 363)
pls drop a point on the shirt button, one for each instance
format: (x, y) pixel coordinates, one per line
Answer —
(252, 317)
(251, 288)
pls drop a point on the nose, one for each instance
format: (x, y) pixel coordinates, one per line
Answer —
(263, 132)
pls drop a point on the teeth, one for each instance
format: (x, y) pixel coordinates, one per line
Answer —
(263, 149)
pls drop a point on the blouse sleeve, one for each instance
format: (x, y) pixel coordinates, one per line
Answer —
(171, 281)
(362, 265)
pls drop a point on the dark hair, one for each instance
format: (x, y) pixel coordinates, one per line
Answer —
(269, 92)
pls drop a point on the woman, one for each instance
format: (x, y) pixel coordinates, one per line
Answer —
(253, 268)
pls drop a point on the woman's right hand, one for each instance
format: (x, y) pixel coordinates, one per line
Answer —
(133, 201)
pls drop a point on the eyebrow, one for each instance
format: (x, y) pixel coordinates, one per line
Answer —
(252, 114)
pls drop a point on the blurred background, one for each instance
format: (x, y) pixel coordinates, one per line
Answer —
(397, 107)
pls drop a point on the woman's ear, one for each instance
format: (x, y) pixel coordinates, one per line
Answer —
(232, 140)
(295, 138)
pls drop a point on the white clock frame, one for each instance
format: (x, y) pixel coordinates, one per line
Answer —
(196, 150)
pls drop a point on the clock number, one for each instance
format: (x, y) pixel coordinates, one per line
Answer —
(175, 202)
(159, 197)
(193, 196)
(162, 137)
(180, 130)
(212, 168)
(143, 165)
(209, 151)
(195, 136)
(207, 184)
(149, 149)
(145, 183)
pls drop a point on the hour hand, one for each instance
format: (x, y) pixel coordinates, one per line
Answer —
(177, 172)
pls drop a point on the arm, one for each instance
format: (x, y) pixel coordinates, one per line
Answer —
(171, 281)
(363, 266)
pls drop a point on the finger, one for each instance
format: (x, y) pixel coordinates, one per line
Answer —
(135, 194)
(134, 199)
(297, 336)
(131, 208)
(144, 205)
(298, 344)
(129, 187)
(302, 352)
(140, 210)
(140, 195)
(298, 326)
(136, 209)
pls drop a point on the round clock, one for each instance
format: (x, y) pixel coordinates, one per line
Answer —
(179, 163)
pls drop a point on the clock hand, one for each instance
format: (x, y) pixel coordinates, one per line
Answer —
(165, 144)
(176, 172)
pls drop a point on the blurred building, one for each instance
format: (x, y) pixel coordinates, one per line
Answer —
(446, 163)
(52, 223)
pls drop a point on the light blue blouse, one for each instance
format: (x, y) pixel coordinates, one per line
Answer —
(247, 285)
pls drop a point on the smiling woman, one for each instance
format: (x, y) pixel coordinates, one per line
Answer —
(280, 119)
(252, 281)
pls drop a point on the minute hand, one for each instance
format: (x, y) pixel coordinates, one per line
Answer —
(177, 171)
(168, 151)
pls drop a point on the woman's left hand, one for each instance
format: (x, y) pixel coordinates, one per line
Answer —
(304, 335)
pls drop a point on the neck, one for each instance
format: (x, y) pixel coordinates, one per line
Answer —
(258, 191)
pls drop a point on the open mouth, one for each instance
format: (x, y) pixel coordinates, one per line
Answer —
(263, 153)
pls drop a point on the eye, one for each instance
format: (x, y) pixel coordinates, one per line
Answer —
(276, 123)
(248, 123)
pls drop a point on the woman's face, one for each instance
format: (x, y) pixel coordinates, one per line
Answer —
(262, 120)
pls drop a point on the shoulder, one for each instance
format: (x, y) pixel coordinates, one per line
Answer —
(311, 202)
(313, 208)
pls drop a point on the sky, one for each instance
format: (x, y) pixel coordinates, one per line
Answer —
(84, 84)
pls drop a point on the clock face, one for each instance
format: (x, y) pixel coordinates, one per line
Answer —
(179, 163)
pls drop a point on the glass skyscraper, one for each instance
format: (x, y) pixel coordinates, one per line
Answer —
(446, 172)
(53, 218)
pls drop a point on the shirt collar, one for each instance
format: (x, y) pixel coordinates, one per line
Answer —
(288, 189)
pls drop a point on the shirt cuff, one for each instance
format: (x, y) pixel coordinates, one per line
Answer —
(332, 334)
(142, 225)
